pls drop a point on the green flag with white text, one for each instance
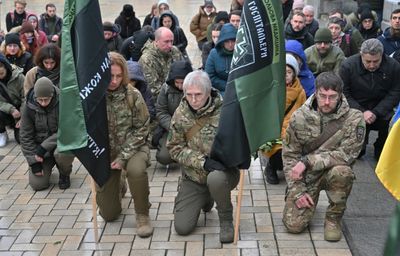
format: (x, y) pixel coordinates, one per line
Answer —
(254, 99)
(85, 76)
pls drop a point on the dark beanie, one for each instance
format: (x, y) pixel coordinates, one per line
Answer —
(367, 14)
(108, 26)
(323, 35)
(127, 10)
(179, 70)
(27, 27)
(13, 38)
(222, 16)
(43, 87)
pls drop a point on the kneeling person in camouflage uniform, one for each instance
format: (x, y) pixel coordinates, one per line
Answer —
(192, 131)
(128, 128)
(322, 141)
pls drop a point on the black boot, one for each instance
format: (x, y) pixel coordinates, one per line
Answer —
(64, 182)
(16, 134)
(270, 174)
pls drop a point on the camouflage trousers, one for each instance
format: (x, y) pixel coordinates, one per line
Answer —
(337, 182)
(192, 197)
(108, 197)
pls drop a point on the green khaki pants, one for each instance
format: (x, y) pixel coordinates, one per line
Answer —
(108, 197)
(337, 182)
(192, 197)
(64, 166)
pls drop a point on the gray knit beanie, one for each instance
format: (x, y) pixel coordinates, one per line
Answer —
(43, 88)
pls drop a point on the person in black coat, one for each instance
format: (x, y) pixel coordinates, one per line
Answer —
(131, 48)
(372, 85)
(180, 41)
(127, 21)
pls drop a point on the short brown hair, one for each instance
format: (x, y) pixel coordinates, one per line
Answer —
(21, 2)
(329, 80)
(48, 51)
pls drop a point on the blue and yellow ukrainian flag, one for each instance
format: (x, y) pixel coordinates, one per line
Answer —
(388, 167)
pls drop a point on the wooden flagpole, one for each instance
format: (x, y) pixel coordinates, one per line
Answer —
(239, 203)
(94, 211)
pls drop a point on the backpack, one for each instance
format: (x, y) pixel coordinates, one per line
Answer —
(13, 16)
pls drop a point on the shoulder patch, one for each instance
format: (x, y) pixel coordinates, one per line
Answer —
(360, 133)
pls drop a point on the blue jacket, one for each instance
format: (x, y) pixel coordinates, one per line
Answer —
(218, 62)
(305, 75)
(390, 44)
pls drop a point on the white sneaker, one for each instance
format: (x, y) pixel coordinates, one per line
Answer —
(3, 139)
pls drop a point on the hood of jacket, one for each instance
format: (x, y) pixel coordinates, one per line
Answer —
(228, 31)
(8, 67)
(169, 14)
(295, 47)
(179, 69)
(135, 71)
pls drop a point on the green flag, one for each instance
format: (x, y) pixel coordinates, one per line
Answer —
(85, 76)
(254, 99)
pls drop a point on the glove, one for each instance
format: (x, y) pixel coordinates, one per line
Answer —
(40, 151)
(36, 167)
(157, 135)
(212, 165)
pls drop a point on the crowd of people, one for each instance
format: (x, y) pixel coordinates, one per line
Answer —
(342, 81)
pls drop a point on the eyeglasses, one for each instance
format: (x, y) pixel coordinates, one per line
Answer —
(323, 97)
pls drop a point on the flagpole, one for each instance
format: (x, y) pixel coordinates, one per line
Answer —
(94, 211)
(239, 203)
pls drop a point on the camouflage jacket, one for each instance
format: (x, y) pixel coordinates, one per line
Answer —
(156, 65)
(306, 125)
(128, 123)
(190, 154)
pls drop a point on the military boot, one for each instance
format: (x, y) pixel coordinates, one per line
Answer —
(270, 174)
(226, 232)
(143, 225)
(332, 229)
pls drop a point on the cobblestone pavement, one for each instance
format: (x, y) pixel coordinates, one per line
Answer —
(58, 222)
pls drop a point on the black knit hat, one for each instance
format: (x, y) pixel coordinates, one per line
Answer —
(366, 14)
(12, 38)
(222, 16)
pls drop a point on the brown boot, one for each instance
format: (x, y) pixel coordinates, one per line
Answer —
(143, 225)
(332, 230)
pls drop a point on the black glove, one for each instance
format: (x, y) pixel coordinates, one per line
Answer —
(157, 135)
(40, 151)
(36, 167)
(213, 165)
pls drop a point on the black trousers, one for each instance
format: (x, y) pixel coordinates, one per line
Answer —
(382, 126)
(6, 120)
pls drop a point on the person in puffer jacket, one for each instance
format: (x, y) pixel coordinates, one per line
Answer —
(218, 63)
(305, 75)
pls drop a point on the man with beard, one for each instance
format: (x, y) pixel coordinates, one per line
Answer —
(296, 29)
(323, 56)
(322, 141)
(391, 37)
(51, 24)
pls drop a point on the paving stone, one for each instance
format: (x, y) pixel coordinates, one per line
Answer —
(6, 242)
(194, 248)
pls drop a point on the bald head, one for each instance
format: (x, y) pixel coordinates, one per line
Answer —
(164, 39)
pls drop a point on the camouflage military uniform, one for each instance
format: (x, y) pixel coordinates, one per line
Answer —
(198, 187)
(156, 65)
(328, 167)
(128, 120)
